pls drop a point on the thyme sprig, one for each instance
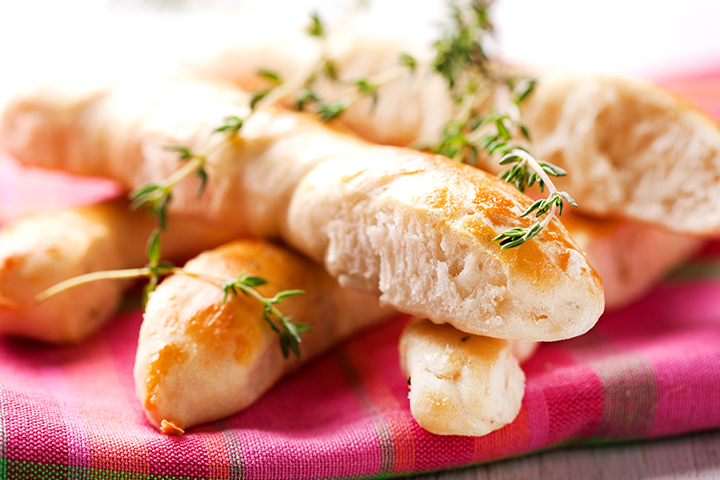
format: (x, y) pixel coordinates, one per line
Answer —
(307, 99)
(460, 57)
(547, 206)
(464, 63)
(303, 85)
(156, 196)
(288, 331)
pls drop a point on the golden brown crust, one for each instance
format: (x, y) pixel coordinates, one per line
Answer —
(460, 384)
(200, 359)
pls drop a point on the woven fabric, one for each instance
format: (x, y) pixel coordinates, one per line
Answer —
(648, 371)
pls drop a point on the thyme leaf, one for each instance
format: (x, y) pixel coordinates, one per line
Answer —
(409, 61)
(288, 331)
(316, 28)
(155, 197)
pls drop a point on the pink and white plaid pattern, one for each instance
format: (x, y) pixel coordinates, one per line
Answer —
(648, 371)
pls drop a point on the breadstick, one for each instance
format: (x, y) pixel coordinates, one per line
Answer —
(629, 257)
(460, 384)
(414, 227)
(200, 359)
(631, 150)
(40, 251)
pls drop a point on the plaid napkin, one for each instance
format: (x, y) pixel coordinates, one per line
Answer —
(648, 371)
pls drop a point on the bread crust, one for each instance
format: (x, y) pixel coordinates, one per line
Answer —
(200, 359)
(630, 149)
(460, 384)
(630, 257)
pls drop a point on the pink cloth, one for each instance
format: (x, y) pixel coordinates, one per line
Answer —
(647, 371)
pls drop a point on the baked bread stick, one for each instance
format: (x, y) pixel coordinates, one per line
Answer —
(415, 228)
(629, 257)
(200, 359)
(40, 251)
(409, 110)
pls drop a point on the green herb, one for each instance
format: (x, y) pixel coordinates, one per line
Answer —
(306, 97)
(155, 197)
(408, 61)
(155, 267)
(462, 61)
(521, 88)
(554, 202)
(255, 98)
(520, 173)
(316, 28)
(459, 54)
(232, 125)
(329, 70)
(287, 330)
(272, 76)
(328, 111)
(365, 88)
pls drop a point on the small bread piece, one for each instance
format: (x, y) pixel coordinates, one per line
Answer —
(460, 384)
(40, 251)
(414, 227)
(200, 359)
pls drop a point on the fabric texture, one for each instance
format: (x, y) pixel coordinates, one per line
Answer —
(648, 371)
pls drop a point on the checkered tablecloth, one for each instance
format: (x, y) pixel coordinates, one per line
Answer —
(648, 371)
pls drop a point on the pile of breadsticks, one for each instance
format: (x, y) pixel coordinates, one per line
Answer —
(411, 229)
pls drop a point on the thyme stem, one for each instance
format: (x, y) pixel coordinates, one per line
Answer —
(105, 275)
(530, 160)
(187, 169)
(289, 87)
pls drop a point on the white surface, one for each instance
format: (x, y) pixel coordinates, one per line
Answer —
(617, 36)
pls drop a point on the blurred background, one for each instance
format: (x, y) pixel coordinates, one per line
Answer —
(631, 37)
